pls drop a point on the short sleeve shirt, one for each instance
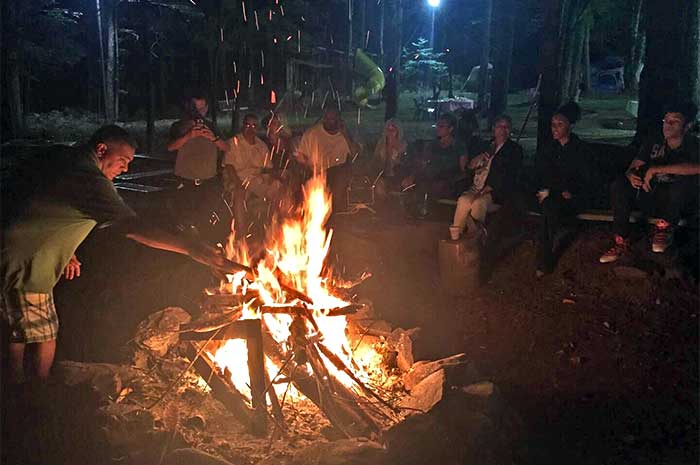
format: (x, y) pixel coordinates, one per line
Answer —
(445, 160)
(71, 196)
(323, 149)
(197, 158)
(660, 154)
(248, 159)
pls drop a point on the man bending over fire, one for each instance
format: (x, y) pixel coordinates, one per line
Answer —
(51, 217)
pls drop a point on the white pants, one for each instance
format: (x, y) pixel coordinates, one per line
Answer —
(472, 209)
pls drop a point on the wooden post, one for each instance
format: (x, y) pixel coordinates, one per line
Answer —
(256, 369)
(254, 419)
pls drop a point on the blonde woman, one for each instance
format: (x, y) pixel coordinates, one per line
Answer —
(388, 152)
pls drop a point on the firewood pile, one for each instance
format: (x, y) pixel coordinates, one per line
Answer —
(174, 399)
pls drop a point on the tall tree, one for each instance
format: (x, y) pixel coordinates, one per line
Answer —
(671, 61)
(485, 59)
(394, 50)
(634, 58)
(504, 16)
(550, 87)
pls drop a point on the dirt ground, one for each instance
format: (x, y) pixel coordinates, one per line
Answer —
(600, 368)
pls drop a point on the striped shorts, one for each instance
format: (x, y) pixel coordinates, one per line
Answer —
(30, 316)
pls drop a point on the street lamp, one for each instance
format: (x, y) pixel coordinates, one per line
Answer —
(433, 4)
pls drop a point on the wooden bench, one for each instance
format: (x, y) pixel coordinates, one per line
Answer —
(590, 215)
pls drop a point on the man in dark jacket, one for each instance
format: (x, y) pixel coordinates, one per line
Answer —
(496, 173)
(563, 174)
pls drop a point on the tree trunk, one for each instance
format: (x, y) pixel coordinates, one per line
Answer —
(484, 64)
(635, 52)
(587, 59)
(667, 75)
(393, 88)
(550, 87)
(577, 59)
(103, 71)
(381, 34)
(693, 39)
(363, 24)
(110, 60)
(503, 54)
(11, 68)
(350, 49)
(115, 19)
(150, 87)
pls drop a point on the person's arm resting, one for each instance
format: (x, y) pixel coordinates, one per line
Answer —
(681, 169)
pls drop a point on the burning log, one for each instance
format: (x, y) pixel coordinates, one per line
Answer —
(222, 389)
(250, 330)
(338, 403)
(297, 310)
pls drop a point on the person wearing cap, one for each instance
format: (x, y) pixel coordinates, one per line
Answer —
(662, 181)
(563, 179)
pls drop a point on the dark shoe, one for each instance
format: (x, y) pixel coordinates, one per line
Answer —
(620, 248)
(663, 237)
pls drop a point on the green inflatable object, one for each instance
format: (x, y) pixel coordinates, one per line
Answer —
(369, 77)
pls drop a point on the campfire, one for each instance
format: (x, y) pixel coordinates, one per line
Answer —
(290, 316)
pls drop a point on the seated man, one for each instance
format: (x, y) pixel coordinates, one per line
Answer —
(660, 181)
(246, 171)
(328, 147)
(441, 167)
(496, 173)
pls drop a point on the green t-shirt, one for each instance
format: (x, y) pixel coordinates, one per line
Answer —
(68, 197)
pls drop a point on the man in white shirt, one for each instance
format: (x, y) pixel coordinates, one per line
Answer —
(246, 170)
(327, 146)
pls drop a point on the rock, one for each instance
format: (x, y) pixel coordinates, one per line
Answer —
(427, 393)
(189, 456)
(342, 452)
(421, 370)
(630, 272)
(105, 378)
(159, 332)
(466, 425)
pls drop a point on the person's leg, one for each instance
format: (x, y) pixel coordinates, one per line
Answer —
(43, 358)
(622, 197)
(462, 214)
(240, 223)
(550, 223)
(15, 362)
(480, 207)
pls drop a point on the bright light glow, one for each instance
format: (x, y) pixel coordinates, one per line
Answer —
(434, 3)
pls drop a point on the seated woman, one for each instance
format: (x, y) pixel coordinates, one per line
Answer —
(496, 173)
(563, 177)
(390, 148)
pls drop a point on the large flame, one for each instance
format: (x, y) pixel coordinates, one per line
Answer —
(297, 249)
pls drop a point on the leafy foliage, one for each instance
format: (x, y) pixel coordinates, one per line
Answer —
(421, 65)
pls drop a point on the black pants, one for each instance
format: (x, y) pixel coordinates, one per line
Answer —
(201, 207)
(557, 213)
(666, 200)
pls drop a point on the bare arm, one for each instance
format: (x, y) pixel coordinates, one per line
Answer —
(157, 238)
(682, 169)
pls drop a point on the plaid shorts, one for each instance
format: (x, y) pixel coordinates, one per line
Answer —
(30, 316)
